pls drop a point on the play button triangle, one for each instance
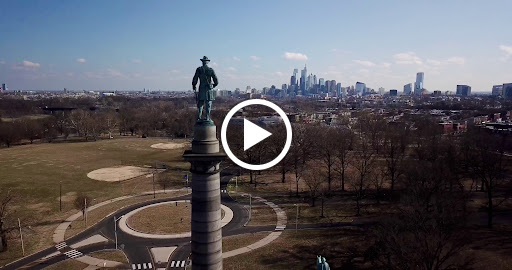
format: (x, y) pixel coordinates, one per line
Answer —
(253, 134)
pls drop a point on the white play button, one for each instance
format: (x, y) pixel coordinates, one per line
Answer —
(253, 134)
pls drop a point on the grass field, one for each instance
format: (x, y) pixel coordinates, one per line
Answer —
(34, 173)
(298, 250)
(162, 219)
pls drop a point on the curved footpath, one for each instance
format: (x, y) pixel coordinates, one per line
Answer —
(135, 245)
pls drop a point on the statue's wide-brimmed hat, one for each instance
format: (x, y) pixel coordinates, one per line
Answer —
(205, 59)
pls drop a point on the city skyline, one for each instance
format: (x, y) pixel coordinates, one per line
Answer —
(157, 45)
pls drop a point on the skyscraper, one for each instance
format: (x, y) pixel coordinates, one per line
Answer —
(360, 88)
(293, 80)
(408, 89)
(295, 72)
(333, 86)
(321, 82)
(338, 90)
(497, 90)
(314, 80)
(303, 74)
(507, 90)
(3, 87)
(463, 90)
(381, 90)
(418, 86)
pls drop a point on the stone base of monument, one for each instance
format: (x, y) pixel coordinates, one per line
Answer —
(206, 229)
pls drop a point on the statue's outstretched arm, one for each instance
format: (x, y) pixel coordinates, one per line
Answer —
(215, 80)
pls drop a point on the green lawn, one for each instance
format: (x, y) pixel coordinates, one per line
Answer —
(33, 174)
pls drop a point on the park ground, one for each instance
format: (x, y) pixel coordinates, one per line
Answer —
(34, 174)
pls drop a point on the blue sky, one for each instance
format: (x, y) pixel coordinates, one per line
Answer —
(157, 44)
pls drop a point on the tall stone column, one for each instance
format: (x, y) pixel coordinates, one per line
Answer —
(205, 158)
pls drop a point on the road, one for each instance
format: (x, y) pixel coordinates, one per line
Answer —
(138, 249)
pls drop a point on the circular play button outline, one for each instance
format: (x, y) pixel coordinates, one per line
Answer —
(281, 155)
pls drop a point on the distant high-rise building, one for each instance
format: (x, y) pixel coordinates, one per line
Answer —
(408, 89)
(497, 90)
(303, 74)
(507, 90)
(3, 88)
(309, 82)
(381, 90)
(393, 92)
(418, 85)
(295, 72)
(327, 86)
(437, 93)
(321, 82)
(314, 80)
(360, 88)
(333, 86)
(284, 86)
(293, 80)
(248, 89)
(339, 92)
(463, 90)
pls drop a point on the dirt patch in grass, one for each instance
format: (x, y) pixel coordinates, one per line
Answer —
(239, 241)
(111, 255)
(162, 219)
(120, 173)
(68, 264)
(170, 145)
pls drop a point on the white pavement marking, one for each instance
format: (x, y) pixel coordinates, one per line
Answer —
(61, 245)
(138, 266)
(150, 265)
(73, 253)
(182, 263)
(134, 266)
(228, 216)
(162, 254)
(89, 241)
(172, 263)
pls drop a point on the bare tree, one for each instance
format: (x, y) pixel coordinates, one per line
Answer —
(301, 151)
(489, 166)
(394, 153)
(314, 181)
(164, 180)
(81, 202)
(364, 166)
(5, 215)
(32, 129)
(429, 230)
(326, 143)
(343, 154)
(10, 132)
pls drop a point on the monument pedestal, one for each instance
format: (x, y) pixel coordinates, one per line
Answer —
(206, 229)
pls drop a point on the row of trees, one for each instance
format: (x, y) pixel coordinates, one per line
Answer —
(373, 158)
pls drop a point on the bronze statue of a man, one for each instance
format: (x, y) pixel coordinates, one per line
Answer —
(206, 88)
